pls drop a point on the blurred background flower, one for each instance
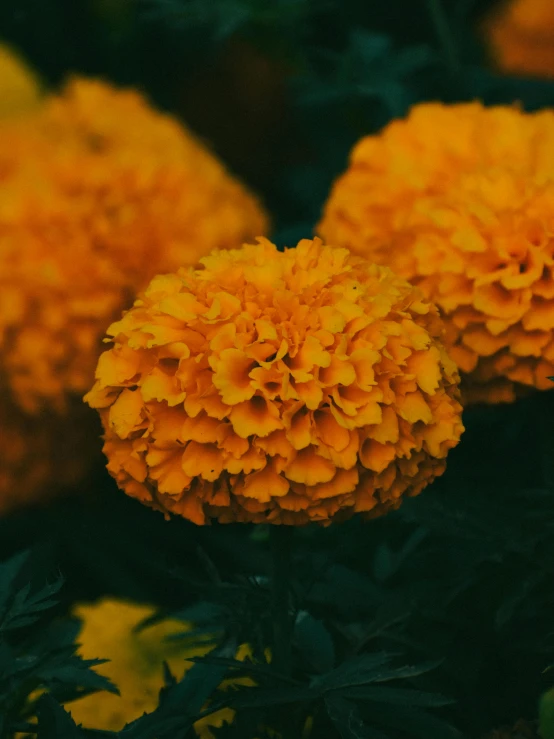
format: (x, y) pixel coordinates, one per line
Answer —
(459, 200)
(521, 37)
(91, 210)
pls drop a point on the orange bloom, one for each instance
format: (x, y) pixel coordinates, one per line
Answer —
(92, 208)
(459, 200)
(521, 37)
(278, 388)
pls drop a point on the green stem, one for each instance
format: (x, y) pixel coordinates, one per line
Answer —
(280, 538)
(444, 35)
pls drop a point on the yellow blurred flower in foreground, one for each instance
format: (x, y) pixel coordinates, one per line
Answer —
(111, 631)
(19, 87)
(99, 193)
(459, 200)
(521, 37)
(277, 387)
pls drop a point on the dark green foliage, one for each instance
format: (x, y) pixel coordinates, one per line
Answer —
(37, 653)
(435, 622)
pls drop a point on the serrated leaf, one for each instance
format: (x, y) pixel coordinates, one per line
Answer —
(314, 642)
(54, 722)
(75, 671)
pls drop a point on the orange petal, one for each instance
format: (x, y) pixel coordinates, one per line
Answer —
(264, 485)
(375, 456)
(309, 468)
(256, 416)
(202, 460)
(127, 413)
(166, 469)
(230, 376)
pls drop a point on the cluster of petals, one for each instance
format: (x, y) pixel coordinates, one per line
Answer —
(459, 200)
(279, 387)
(520, 34)
(137, 649)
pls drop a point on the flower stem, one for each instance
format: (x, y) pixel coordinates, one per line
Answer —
(437, 14)
(280, 537)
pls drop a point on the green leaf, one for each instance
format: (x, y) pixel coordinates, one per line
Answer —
(26, 607)
(8, 572)
(252, 697)
(413, 721)
(348, 720)
(355, 671)
(54, 722)
(397, 696)
(77, 671)
(314, 642)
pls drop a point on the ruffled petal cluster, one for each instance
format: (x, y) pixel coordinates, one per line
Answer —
(459, 200)
(521, 37)
(279, 387)
(99, 193)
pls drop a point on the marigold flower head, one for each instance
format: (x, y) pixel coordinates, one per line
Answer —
(19, 87)
(277, 387)
(459, 200)
(521, 37)
(137, 649)
(100, 193)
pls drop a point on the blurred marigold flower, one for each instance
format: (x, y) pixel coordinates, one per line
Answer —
(104, 193)
(119, 631)
(520, 34)
(459, 200)
(20, 90)
(277, 387)
(99, 193)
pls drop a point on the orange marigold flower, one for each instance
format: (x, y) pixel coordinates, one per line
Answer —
(19, 87)
(277, 387)
(92, 208)
(459, 200)
(521, 36)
